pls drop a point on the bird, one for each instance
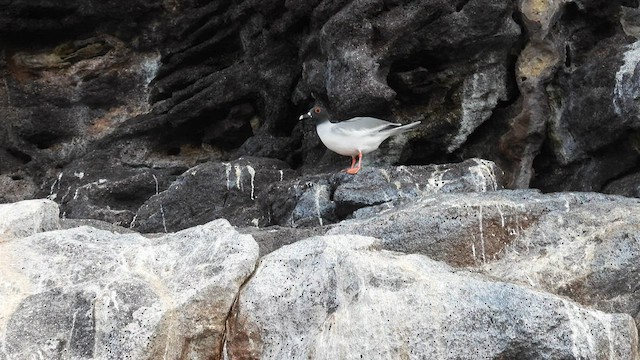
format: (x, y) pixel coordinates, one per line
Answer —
(354, 137)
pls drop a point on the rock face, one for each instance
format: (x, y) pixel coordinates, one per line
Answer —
(342, 297)
(163, 116)
(100, 115)
(213, 190)
(91, 294)
(327, 198)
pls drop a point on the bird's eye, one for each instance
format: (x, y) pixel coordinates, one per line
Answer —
(317, 110)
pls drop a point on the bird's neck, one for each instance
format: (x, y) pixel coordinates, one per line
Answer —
(321, 121)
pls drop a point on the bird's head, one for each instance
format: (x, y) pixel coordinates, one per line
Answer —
(316, 113)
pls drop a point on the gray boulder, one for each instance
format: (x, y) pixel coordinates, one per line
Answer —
(27, 218)
(460, 229)
(341, 297)
(589, 252)
(85, 293)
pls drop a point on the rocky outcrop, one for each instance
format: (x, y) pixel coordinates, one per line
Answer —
(165, 116)
(516, 274)
(263, 192)
(210, 191)
(546, 90)
(342, 297)
(94, 294)
(475, 228)
(327, 198)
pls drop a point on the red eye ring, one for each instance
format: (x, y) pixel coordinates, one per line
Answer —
(317, 110)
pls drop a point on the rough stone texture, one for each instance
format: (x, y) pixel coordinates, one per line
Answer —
(274, 237)
(470, 229)
(589, 252)
(262, 192)
(590, 101)
(85, 293)
(27, 218)
(140, 93)
(326, 198)
(340, 297)
(460, 229)
(159, 116)
(210, 191)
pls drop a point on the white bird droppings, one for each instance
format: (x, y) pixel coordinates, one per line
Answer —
(228, 172)
(252, 173)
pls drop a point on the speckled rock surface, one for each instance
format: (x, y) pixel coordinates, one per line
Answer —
(589, 252)
(85, 293)
(342, 297)
(460, 229)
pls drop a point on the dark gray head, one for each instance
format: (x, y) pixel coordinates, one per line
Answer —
(316, 113)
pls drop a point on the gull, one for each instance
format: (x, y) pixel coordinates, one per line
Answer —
(354, 137)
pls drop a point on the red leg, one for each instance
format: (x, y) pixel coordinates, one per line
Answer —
(354, 170)
(353, 162)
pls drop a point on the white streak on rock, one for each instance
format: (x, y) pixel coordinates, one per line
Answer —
(238, 171)
(227, 171)
(252, 174)
(133, 222)
(52, 196)
(318, 188)
(150, 67)
(164, 220)
(385, 174)
(473, 249)
(501, 215)
(436, 181)
(156, 180)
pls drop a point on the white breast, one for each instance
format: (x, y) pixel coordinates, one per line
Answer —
(347, 144)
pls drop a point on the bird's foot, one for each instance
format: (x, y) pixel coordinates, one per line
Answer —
(352, 171)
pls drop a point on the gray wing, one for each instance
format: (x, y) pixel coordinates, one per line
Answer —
(364, 125)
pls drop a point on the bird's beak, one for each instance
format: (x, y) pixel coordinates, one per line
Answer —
(305, 116)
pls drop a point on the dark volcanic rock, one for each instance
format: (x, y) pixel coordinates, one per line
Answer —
(263, 192)
(210, 191)
(101, 188)
(126, 92)
(592, 102)
(322, 199)
(628, 186)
